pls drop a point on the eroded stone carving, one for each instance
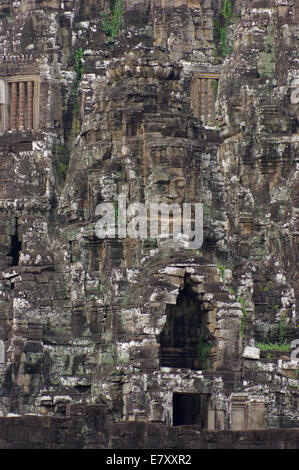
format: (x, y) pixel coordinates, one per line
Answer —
(133, 325)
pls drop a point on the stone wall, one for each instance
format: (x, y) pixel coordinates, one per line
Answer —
(127, 323)
(89, 428)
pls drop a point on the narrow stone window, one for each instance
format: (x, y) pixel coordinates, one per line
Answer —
(191, 408)
(5, 8)
(132, 128)
(83, 388)
(15, 248)
(19, 103)
(2, 352)
(204, 90)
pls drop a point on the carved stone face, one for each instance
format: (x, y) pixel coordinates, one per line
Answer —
(230, 116)
(234, 105)
(166, 185)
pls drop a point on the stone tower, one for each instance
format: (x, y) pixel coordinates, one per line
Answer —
(157, 101)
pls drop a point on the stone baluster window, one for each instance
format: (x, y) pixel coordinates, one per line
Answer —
(19, 97)
(203, 96)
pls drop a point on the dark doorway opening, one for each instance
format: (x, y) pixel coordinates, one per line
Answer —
(186, 341)
(15, 249)
(191, 408)
(83, 388)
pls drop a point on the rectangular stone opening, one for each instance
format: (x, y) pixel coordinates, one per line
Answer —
(15, 248)
(186, 340)
(204, 88)
(191, 409)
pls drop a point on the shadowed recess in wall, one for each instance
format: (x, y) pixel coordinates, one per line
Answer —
(185, 330)
(15, 248)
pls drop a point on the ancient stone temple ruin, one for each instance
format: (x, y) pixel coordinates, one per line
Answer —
(124, 342)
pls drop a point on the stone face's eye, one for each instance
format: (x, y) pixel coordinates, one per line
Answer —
(163, 188)
(180, 184)
(161, 181)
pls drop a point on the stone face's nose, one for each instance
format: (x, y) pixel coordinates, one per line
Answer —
(172, 192)
(176, 190)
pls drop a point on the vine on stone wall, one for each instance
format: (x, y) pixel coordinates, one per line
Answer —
(61, 161)
(78, 67)
(202, 350)
(221, 25)
(113, 22)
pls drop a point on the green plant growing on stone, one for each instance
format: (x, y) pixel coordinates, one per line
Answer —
(221, 269)
(221, 26)
(263, 288)
(274, 346)
(112, 22)
(118, 217)
(281, 332)
(62, 156)
(116, 212)
(125, 301)
(202, 350)
(78, 68)
(62, 168)
(280, 344)
(78, 63)
(215, 88)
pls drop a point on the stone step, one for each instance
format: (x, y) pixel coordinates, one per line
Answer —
(206, 278)
(219, 297)
(206, 269)
(208, 288)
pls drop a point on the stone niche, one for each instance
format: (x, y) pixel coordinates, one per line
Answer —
(186, 339)
(15, 248)
(193, 409)
(19, 103)
(246, 414)
(202, 328)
